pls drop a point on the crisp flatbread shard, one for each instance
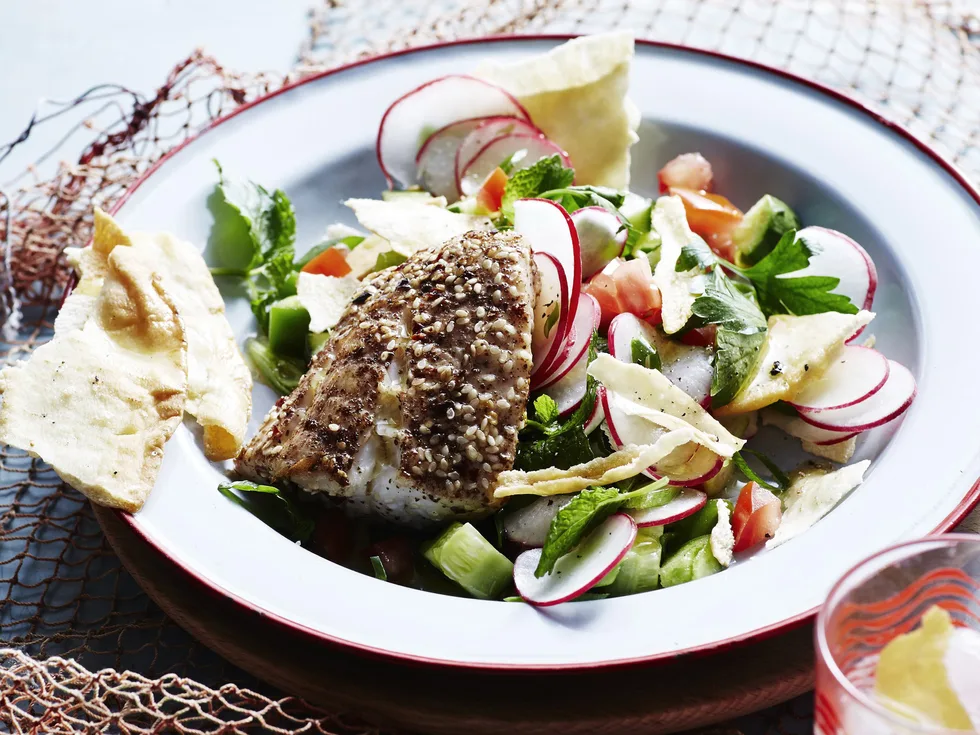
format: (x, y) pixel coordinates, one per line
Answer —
(411, 409)
(99, 403)
(576, 94)
(797, 349)
(219, 383)
(626, 463)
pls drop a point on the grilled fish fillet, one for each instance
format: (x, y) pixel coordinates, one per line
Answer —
(411, 410)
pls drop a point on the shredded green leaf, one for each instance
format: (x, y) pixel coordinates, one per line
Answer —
(780, 481)
(351, 241)
(379, 568)
(801, 295)
(271, 506)
(388, 259)
(282, 374)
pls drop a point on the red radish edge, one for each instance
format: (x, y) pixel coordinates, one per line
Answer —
(574, 278)
(579, 338)
(596, 418)
(459, 166)
(872, 270)
(535, 554)
(836, 441)
(603, 398)
(890, 416)
(444, 128)
(563, 320)
(686, 503)
(381, 125)
(810, 410)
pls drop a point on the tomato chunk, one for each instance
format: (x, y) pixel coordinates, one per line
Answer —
(491, 191)
(712, 217)
(756, 517)
(626, 287)
(331, 262)
(688, 171)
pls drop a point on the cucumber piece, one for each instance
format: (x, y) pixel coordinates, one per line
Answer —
(289, 323)
(467, 558)
(697, 524)
(767, 221)
(692, 561)
(639, 571)
(637, 211)
(317, 340)
(406, 195)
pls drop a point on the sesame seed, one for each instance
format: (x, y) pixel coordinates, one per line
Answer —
(333, 427)
(513, 291)
(496, 296)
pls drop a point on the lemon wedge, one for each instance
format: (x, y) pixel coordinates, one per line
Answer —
(912, 676)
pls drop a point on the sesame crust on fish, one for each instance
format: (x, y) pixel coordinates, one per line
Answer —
(412, 408)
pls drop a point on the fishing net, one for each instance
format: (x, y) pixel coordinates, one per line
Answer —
(87, 650)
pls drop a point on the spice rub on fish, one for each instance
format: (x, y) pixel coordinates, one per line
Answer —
(411, 410)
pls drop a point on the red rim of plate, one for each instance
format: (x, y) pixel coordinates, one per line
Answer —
(964, 507)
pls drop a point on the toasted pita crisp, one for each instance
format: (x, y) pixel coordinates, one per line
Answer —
(413, 225)
(797, 349)
(219, 383)
(576, 94)
(678, 290)
(99, 403)
(627, 462)
(326, 297)
(840, 452)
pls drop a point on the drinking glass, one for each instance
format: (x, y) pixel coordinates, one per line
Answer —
(876, 601)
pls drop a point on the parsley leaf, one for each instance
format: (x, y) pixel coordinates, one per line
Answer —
(264, 225)
(585, 511)
(696, 254)
(546, 174)
(271, 506)
(780, 480)
(739, 338)
(801, 295)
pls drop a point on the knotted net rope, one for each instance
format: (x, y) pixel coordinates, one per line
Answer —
(87, 650)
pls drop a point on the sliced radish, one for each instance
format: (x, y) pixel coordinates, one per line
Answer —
(839, 256)
(687, 466)
(596, 418)
(686, 502)
(549, 229)
(689, 367)
(430, 107)
(797, 427)
(435, 162)
(528, 526)
(570, 390)
(587, 318)
(486, 132)
(857, 374)
(888, 403)
(522, 150)
(602, 237)
(579, 570)
(553, 293)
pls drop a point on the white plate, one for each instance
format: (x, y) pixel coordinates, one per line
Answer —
(833, 161)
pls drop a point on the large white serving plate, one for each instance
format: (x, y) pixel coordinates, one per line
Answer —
(835, 162)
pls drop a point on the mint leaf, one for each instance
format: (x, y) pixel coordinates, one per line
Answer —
(780, 482)
(586, 510)
(545, 409)
(801, 295)
(644, 354)
(271, 506)
(739, 338)
(546, 174)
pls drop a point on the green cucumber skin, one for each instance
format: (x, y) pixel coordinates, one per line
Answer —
(466, 557)
(767, 221)
(693, 560)
(289, 325)
(640, 569)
